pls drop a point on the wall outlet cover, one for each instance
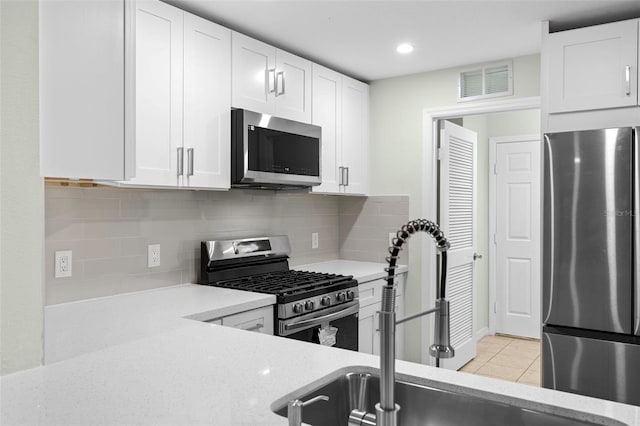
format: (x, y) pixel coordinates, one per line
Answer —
(153, 255)
(63, 264)
(314, 240)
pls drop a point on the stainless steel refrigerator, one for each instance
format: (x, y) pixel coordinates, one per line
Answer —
(591, 296)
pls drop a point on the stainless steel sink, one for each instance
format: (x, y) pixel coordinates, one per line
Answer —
(424, 402)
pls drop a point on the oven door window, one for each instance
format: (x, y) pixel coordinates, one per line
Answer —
(346, 337)
(281, 152)
(307, 327)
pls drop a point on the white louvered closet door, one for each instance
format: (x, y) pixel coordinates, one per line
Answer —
(457, 220)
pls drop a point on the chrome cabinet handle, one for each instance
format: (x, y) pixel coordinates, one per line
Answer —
(270, 76)
(257, 326)
(341, 176)
(190, 162)
(627, 77)
(279, 83)
(347, 180)
(180, 161)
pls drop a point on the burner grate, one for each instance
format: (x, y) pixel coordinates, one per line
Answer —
(283, 282)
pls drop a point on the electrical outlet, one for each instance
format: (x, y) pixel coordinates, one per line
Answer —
(63, 265)
(392, 235)
(153, 255)
(314, 240)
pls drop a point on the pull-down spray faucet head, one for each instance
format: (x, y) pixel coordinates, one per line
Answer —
(441, 347)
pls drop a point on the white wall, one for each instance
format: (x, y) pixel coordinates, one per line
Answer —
(396, 109)
(21, 190)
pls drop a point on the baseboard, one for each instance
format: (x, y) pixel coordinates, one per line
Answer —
(484, 331)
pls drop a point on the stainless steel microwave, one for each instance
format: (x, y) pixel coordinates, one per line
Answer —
(271, 152)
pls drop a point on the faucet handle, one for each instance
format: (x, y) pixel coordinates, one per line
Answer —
(294, 409)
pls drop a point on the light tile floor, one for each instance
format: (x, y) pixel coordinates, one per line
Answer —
(507, 358)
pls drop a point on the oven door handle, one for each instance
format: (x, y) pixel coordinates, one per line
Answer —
(325, 318)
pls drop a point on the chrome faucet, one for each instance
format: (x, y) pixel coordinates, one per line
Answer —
(387, 410)
(294, 409)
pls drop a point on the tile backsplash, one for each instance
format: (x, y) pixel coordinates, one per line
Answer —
(365, 224)
(109, 229)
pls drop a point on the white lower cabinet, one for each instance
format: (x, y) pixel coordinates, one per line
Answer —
(258, 320)
(368, 325)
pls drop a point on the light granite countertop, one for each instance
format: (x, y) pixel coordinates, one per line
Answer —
(168, 370)
(205, 374)
(76, 328)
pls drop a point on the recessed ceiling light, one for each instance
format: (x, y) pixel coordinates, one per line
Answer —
(404, 48)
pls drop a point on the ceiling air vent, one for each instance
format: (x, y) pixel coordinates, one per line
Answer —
(489, 81)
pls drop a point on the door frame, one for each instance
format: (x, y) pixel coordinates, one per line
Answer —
(430, 119)
(493, 181)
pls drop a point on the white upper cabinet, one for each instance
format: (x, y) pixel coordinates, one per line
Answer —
(207, 103)
(253, 77)
(355, 136)
(341, 108)
(594, 67)
(134, 92)
(182, 99)
(84, 115)
(327, 113)
(269, 80)
(293, 87)
(159, 91)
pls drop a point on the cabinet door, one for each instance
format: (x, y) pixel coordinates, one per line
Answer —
(355, 135)
(159, 41)
(327, 113)
(207, 103)
(368, 336)
(594, 67)
(253, 74)
(293, 87)
(258, 320)
(82, 89)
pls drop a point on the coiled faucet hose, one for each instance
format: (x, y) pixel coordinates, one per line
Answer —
(413, 226)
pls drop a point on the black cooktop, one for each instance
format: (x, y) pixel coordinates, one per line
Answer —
(290, 285)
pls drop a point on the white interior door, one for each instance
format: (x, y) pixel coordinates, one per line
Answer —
(517, 237)
(457, 219)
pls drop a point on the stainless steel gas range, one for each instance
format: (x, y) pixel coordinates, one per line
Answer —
(311, 306)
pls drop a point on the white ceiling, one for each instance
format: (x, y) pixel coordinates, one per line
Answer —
(358, 37)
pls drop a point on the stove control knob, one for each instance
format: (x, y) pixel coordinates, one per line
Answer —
(298, 308)
(325, 301)
(341, 297)
(350, 295)
(309, 305)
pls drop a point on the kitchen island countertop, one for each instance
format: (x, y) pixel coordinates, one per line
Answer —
(161, 368)
(204, 374)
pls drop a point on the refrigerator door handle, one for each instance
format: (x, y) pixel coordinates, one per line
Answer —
(636, 226)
